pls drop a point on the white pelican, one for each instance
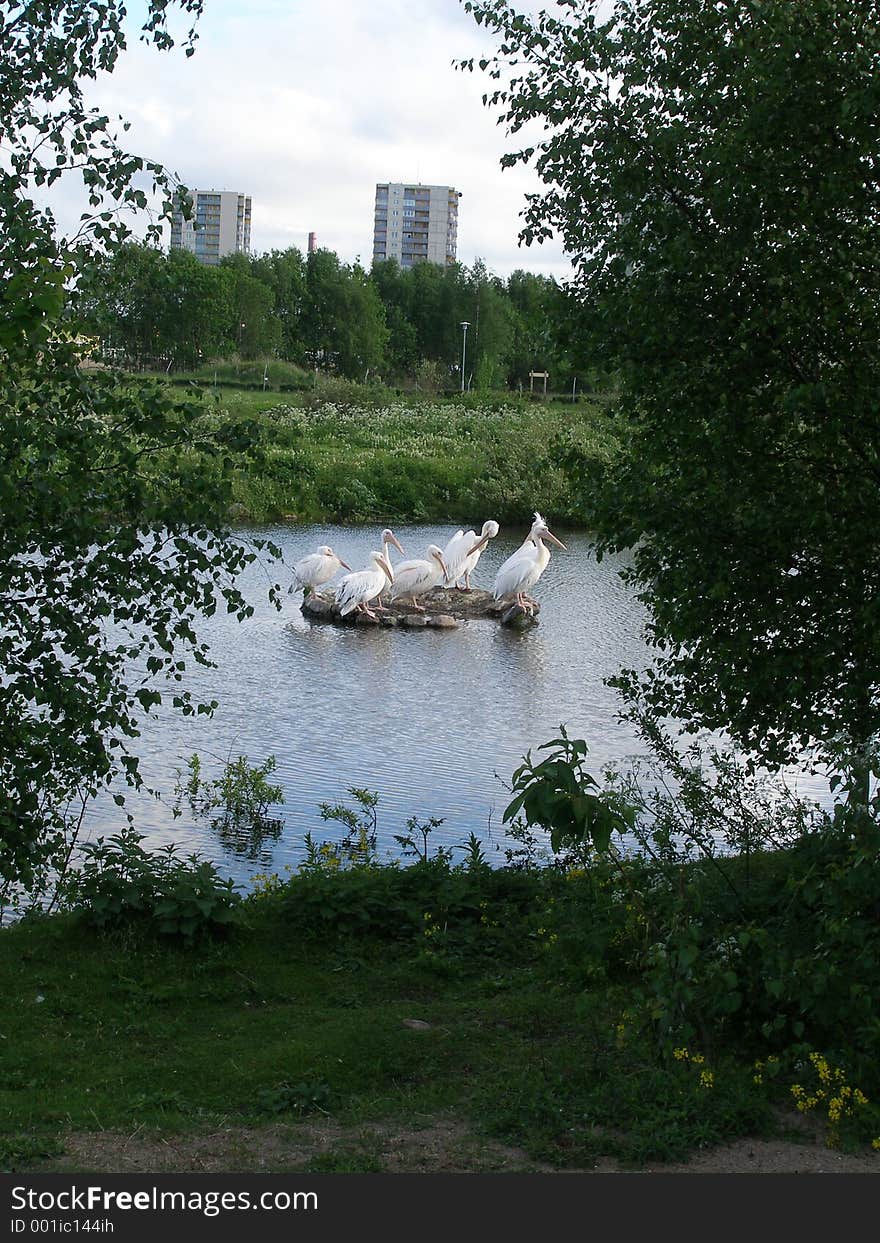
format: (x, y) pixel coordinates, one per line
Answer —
(523, 569)
(316, 569)
(389, 538)
(414, 578)
(463, 552)
(355, 591)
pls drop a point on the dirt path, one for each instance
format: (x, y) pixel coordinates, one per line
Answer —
(440, 1146)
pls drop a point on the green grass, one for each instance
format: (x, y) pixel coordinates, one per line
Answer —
(637, 1005)
(337, 458)
(107, 1033)
(545, 1023)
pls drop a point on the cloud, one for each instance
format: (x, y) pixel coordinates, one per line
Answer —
(307, 106)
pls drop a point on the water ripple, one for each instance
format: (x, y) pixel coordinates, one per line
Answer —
(434, 721)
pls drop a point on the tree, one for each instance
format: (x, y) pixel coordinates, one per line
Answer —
(544, 320)
(439, 301)
(394, 288)
(254, 326)
(122, 300)
(492, 325)
(343, 322)
(284, 271)
(198, 309)
(111, 493)
(713, 171)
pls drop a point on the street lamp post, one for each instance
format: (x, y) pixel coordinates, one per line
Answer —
(464, 327)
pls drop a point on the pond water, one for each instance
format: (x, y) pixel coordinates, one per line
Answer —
(433, 721)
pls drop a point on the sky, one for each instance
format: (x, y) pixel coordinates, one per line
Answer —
(306, 106)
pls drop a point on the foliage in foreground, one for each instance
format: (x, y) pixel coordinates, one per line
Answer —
(712, 168)
(119, 885)
(530, 977)
(113, 495)
(772, 951)
(726, 948)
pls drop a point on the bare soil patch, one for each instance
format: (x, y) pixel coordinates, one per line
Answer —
(439, 1146)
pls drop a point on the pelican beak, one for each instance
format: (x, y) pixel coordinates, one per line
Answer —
(344, 564)
(442, 566)
(385, 565)
(392, 539)
(558, 542)
(481, 543)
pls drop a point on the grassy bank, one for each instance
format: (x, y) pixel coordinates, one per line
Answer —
(118, 1033)
(563, 1012)
(353, 459)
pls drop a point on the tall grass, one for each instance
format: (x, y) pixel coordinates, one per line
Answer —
(421, 460)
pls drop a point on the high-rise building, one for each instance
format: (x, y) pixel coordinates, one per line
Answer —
(415, 223)
(221, 225)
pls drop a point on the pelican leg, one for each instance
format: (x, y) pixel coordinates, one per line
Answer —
(467, 580)
(525, 603)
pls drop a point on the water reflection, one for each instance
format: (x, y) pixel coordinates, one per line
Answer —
(253, 841)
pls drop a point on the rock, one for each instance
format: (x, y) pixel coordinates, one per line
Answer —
(321, 610)
(462, 605)
(417, 1025)
(446, 607)
(518, 617)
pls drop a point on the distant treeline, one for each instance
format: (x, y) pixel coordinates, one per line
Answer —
(151, 308)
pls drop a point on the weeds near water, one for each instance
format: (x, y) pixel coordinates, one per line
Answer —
(358, 846)
(410, 848)
(236, 803)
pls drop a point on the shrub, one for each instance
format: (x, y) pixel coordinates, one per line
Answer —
(732, 910)
(120, 884)
(241, 793)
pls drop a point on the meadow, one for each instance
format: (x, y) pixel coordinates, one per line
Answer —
(348, 453)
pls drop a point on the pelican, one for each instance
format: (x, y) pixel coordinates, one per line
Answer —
(463, 552)
(316, 569)
(389, 538)
(523, 569)
(355, 591)
(414, 578)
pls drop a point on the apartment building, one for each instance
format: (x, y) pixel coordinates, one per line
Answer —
(221, 225)
(415, 223)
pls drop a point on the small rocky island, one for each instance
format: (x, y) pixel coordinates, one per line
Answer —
(444, 609)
